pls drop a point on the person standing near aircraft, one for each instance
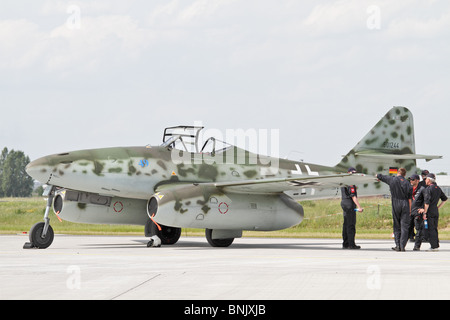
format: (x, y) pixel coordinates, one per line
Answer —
(418, 186)
(401, 195)
(423, 183)
(350, 205)
(417, 204)
(424, 174)
(431, 209)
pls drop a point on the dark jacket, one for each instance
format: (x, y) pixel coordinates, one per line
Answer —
(432, 195)
(418, 200)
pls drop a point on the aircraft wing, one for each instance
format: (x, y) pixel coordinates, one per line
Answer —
(285, 184)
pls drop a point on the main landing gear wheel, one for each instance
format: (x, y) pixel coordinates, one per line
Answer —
(35, 236)
(217, 242)
(168, 235)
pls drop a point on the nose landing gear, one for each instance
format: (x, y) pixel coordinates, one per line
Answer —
(41, 234)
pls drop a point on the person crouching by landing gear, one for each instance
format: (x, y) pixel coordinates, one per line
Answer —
(416, 205)
(350, 205)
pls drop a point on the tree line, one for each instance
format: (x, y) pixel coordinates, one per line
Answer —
(14, 181)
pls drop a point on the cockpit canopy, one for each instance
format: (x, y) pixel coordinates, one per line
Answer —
(188, 138)
(182, 137)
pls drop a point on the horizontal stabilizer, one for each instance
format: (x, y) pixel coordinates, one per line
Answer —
(408, 156)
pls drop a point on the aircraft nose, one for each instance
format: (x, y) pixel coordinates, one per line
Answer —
(39, 170)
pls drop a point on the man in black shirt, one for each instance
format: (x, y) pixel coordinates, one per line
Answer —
(401, 194)
(423, 183)
(431, 209)
(349, 204)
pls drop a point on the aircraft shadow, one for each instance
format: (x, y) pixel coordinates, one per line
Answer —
(274, 246)
(196, 245)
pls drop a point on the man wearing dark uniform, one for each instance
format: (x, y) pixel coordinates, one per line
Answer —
(417, 204)
(417, 187)
(423, 183)
(431, 209)
(401, 194)
(349, 205)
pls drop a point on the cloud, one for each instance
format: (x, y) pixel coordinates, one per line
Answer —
(99, 41)
(21, 44)
(92, 36)
(231, 63)
(88, 7)
(337, 17)
(182, 14)
(419, 27)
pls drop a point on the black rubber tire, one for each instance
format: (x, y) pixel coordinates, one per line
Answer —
(217, 242)
(35, 236)
(168, 235)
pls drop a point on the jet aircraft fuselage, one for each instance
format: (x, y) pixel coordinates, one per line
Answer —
(223, 190)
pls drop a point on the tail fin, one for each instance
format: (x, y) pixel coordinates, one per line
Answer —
(389, 144)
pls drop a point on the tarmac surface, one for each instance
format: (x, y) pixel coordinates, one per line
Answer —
(122, 267)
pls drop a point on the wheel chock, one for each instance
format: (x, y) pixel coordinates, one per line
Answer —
(28, 245)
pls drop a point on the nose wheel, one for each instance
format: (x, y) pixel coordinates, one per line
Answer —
(41, 234)
(38, 239)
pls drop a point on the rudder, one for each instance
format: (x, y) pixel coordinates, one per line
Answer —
(389, 144)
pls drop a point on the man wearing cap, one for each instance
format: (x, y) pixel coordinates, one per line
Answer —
(401, 197)
(417, 204)
(423, 183)
(431, 209)
(350, 205)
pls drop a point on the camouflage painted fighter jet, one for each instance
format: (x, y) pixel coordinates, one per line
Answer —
(213, 186)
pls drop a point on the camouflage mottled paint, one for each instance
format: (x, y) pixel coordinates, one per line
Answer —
(117, 171)
(140, 172)
(120, 211)
(205, 206)
(393, 134)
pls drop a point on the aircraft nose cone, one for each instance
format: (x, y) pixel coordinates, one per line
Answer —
(39, 170)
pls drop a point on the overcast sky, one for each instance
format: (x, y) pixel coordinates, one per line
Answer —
(89, 74)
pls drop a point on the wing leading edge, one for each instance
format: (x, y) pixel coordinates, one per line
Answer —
(286, 184)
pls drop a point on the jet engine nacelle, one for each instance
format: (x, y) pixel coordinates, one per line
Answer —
(207, 207)
(77, 206)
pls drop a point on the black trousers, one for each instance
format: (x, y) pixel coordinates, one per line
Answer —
(349, 226)
(420, 231)
(433, 236)
(411, 228)
(401, 218)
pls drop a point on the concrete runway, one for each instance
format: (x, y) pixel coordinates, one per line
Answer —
(122, 267)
